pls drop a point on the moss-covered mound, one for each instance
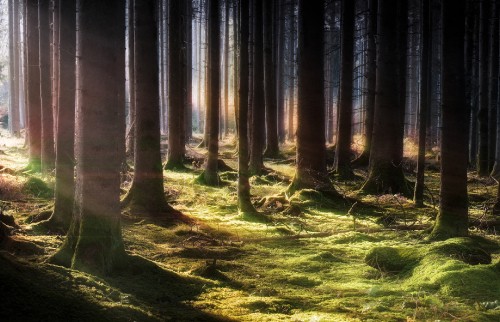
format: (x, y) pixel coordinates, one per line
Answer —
(38, 188)
(456, 267)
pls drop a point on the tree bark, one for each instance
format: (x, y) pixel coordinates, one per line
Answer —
(385, 170)
(452, 220)
(418, 196)
(33, 88)
(146, 195)
(311, 146)
(94, 243)
(272, 145)
(210, 175)
(482, 158)
(176, 87)
(65, 182)
(344, 132)
(257, 140)
(48, 151)
(244, 202)
(14, 63)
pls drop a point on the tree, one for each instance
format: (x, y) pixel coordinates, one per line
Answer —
(94, 241)
(244, 203)
(385, 170)
(48, 150)
(33, 87)
(210, 175)
(452, 220)
(257, 138)
(272, 143)
(65, 182)
(493, 84)
(311, 170)
(176, 88)
(418, 196)
(371, 79)
(344, 133)
(14, 68)
(482, 158)
(146, 196)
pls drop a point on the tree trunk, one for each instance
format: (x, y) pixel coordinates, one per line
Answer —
(452, 220)
(210, 176)
(55, 18)
(226, 70)
(371, 81)
(244, 202)
(493, 85)
(418, 196)
(257, 140)
(281, 71)
(272, 146)
(482, 158)
(291, 62)
(188, 110)
(94, 242)
(344, 132)
(65, 182)
(176, 61)
(48, 152)
(130, 138)
(311, 146)
(33, 88)
(146, 195)
(385, 170)
(14, 62)
(236, 71)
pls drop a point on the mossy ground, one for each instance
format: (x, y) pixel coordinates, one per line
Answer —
(306, 263)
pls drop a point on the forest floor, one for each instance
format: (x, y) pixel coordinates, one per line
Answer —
(305, 261)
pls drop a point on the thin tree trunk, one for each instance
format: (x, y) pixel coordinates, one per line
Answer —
(226, 70)
(482, 159)
(48, 152)
(418, 196)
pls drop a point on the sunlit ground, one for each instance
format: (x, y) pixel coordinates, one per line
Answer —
(305, 264)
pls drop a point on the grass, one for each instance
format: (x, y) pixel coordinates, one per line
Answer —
(307, 263)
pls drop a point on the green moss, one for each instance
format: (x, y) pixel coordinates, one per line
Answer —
(38, 188)
(392, 260)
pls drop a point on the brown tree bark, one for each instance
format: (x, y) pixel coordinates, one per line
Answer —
(94, 241)
(176, 87)
(257, 138)
(452, 220)
(272, 144)
(48, 150)
(146, 195)
(14, 69)
(33, 88)
(344, 132)
(482, 158)
(311, 146)
(65, 182)
(244, 202)
(385, 170)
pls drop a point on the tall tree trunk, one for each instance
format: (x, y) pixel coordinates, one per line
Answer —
(371, 81)
(33, 88)
(130, 137)
(473, 135)
(418, 196)
(452, 220)
(210, 176)
(188, 110)
(291, 87)
(14, 61)
(94, 242)
(65, 182)
(493, 85)
(48, 152)
(272, 146)
(146, 195)
(385, 170)
(176, 87)
(311, 146)
(257, 140)
(226, 70)
(344, 132)
(482, 158)
(244, 202)
(55, 19)
(236, 71)
(281, 71)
